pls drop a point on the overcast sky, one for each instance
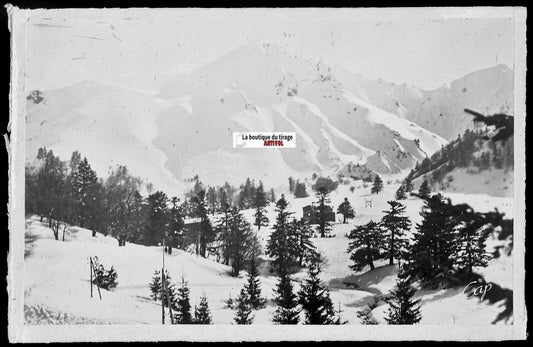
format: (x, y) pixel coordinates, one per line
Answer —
(141, 50)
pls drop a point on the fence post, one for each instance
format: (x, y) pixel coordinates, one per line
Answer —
(162, 295)
(96, 278)
(91, 273)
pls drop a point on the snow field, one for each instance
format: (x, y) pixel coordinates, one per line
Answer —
(56, 273)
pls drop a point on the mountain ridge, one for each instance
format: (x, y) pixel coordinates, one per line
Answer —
(186, 128)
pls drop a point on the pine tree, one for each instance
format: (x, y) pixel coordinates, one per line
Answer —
(272, 196)
(202, 314)
(400, 193)
(366, 245)
(224, 235)
(470, 239)
(396, 224)
(300, 246)
(324, 226)
(259, 203)
(182, 305)
(223, 201)
(279, 242)
(433, 250)
(243, 314)
(242, 241)
(156, 286)
(287, 311)
(212, 199)
(424, 190)
(314, 298)
(300, 191)
(158, 218)
(338, 319)
(253, 287)
(377, 186)
(170, 291)
(84, 184)
(291, 185)
(205, 232)
(346, 210)
(408, 183)
(402, 308)
(176, 224)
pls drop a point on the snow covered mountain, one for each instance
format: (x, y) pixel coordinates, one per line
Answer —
(265, 88)
(487, 91)
(187, 128)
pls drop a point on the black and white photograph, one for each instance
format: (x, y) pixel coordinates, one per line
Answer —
(258, 173)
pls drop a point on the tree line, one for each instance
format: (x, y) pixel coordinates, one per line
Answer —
(443, 249)
(69, 193)
(472, 149)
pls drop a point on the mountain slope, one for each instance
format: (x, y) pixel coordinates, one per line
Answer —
(488, 91)
(109, 126)
(340, 119)
(264, 88)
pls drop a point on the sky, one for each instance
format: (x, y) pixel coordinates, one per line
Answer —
(141, 50)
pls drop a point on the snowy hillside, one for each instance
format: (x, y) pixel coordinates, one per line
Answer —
(110, 126)
(57, 284)
(187, 128)
(487, 91)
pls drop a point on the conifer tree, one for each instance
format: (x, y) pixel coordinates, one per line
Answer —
(400, 193)
(279, 242)
(300, 191)
(338, 319)
(314, 298)
(202, 314)
(346, 210)
(301, 247)
(212, 199)
(291, 185)
(395, 224)
(223, 201)
(158, 218)
(408, 183)
(433, 250)
(253, 287)
(366, 245)
(243, 313)
(470, 240)
(176, 224)
(182, 305)
(84, 185)
(287, 311)
(259, 203)
(403, 309)
(156, 286)
(242, 241)
(205, 232)
(272, 196)
(324, 226)
(377, 186)
(224, 235)
(424, 190)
